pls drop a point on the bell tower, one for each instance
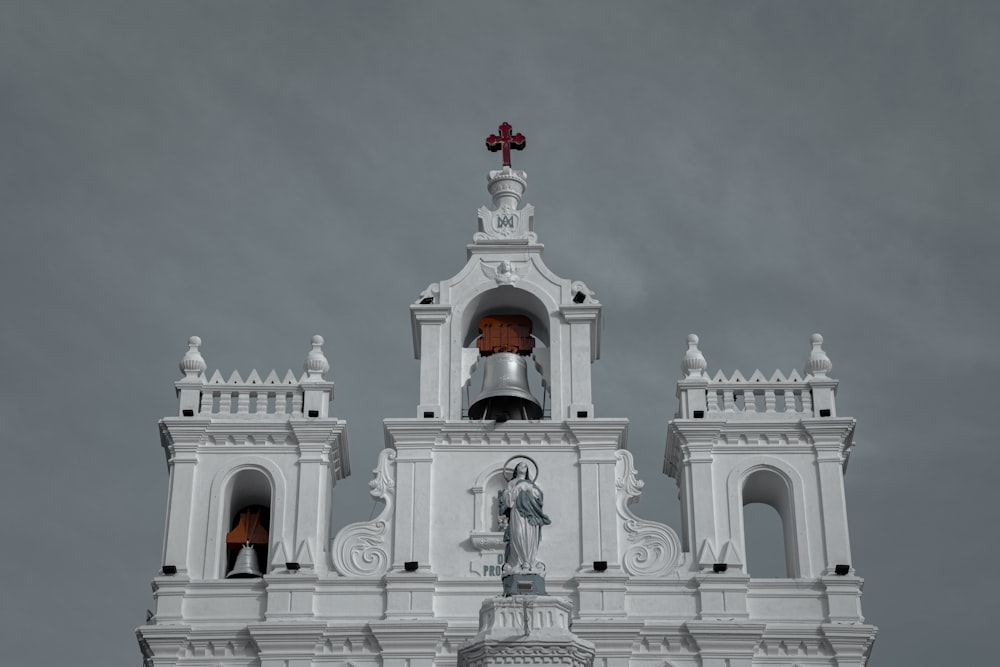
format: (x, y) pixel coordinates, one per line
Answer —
(506, 278)
(775, 440)
(251, 463)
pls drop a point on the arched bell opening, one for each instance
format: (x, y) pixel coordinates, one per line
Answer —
(768, 521)
(248, 527)
(506, 339)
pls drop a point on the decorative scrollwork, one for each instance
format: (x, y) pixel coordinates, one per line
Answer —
(362, 549)
(654, 548)
(430, 295)
(580, 287)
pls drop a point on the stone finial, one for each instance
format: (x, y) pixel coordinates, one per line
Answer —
(694, 363)
(507, 186)
(192, 363)
(316, 363)
(819, 364)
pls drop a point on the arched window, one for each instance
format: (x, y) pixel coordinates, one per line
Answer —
(769, 545)
(248, 522)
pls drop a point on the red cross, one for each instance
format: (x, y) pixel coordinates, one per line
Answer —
(505, 141)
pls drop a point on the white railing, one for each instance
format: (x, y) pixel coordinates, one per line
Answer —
(255, 398)
(780, 396)
(267, 398)
(738, 395)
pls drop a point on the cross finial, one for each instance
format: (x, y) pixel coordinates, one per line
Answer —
(505, 142)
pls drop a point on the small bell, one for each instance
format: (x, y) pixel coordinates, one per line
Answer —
(245, 565)
(505, 393)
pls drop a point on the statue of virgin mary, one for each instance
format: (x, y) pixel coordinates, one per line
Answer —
(521, 502)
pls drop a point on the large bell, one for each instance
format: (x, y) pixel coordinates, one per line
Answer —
(505, 393)
(245, 565)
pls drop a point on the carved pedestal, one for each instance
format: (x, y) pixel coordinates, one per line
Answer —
(525, 630)
(523, 584)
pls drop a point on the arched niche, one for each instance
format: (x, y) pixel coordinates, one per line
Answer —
(770, 487)
(249, 493)
(505, 300)
(491, 505)
(487, 529)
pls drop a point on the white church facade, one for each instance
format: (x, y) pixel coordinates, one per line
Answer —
(251, 574)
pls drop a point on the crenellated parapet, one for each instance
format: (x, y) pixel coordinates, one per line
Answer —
(271, 397)
(777, 397)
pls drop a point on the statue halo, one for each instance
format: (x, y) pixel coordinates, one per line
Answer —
(516, 457)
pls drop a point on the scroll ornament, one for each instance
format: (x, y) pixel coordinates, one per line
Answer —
(363, 549)
(653, 549)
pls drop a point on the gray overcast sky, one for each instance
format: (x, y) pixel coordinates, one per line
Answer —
(256, 173)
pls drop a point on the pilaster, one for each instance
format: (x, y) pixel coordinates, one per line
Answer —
(832, 440)
(599, 520)
(431, 346)
(414, 488)
(181, 441)
(317, 440)
(583, 323)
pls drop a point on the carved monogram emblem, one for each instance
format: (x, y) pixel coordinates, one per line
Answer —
(505, 221)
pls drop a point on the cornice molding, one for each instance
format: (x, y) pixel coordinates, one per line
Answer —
(583, 433)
